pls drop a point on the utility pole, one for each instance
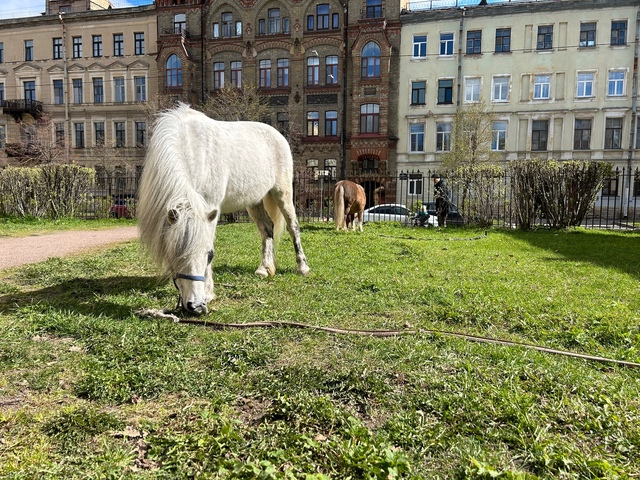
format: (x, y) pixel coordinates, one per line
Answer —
(67, 122)
(626, 196)
(343, 132)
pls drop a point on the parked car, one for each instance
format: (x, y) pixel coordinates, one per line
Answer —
(119, 208)
(453, 217)
(391, 212)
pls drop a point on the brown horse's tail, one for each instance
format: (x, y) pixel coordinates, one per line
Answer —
(338, 206)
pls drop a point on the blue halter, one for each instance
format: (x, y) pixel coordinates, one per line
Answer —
(193, 278)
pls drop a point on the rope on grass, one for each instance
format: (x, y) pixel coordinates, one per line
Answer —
(154, 313)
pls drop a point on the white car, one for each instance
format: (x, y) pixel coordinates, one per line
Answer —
(391, 212)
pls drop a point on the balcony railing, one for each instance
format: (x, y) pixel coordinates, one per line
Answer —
(372, 12)
(17, 108)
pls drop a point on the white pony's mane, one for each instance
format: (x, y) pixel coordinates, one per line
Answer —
(166, 186)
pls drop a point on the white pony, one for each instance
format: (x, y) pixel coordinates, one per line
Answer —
(195, 170)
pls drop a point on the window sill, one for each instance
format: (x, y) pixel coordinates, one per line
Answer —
(318, 139)
(231, 37)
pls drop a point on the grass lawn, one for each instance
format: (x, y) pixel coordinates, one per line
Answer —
(90, 390)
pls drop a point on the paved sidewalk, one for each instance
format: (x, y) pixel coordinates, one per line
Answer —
(38, 248)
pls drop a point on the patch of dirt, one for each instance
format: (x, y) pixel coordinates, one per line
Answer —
(17, 251)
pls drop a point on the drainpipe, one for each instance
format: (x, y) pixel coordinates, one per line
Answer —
(634, 120)
(343, 133)
(460, 34)
(203, 36)
(67, 121)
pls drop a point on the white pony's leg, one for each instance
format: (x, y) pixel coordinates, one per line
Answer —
(285, 204)
(265, 226)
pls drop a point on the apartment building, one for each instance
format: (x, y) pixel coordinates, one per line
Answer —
(559, 78)
(86, 69)
(327, 70)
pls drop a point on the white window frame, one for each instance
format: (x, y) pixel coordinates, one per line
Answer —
(585, 84)
(445, 135)
(415, 185)
(416, 135)
(617, 82)
(497, 134)
(472, 88)
(444, 44)
(418, 45)
(501, 88)
(542, 87)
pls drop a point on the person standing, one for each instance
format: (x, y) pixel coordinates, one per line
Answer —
(441, 195)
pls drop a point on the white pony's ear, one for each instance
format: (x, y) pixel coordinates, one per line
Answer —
(212, 215)
(172, 216)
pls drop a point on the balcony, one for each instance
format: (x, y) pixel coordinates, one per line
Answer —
(17, 108)
(372, 12)
(177, 31)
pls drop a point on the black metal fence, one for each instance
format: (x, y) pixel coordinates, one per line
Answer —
(616, 206)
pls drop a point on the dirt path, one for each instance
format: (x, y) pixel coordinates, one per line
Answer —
(37, 248)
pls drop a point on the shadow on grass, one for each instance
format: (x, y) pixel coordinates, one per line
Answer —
(88, 296)
(616, 250)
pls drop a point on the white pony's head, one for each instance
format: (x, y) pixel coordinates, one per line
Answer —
(188, 253)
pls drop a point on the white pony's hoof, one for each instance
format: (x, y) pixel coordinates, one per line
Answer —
(266, 271)
(262, 272)
(304, 270)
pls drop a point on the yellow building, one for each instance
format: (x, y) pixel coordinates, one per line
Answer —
(85, 73)
(559, 78)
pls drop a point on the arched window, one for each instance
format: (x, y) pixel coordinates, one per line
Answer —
(174, 71)
(371, 60)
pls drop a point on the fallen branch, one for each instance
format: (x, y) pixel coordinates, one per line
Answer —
(154, 313)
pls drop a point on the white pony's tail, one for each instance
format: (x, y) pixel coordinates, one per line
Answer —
(338, 207)
(276, 216)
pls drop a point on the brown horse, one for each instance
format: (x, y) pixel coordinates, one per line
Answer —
(349, 200)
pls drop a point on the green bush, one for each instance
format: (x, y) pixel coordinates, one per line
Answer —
(561, 193)
(51, 191)
(481, 188)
